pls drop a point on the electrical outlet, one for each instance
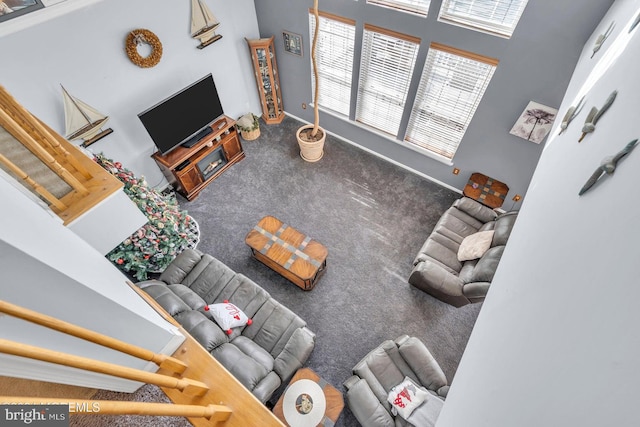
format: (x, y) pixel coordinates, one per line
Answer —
(517, 198)
(456, 171)
(304, 106)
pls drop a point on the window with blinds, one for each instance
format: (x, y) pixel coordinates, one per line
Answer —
(451, 87)
(334, 59)
(494, 16)
(386, 67)
(419, 7)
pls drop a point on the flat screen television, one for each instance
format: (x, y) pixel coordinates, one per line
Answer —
(183, 118)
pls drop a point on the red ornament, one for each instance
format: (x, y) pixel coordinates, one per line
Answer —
(120, 261)
(249, 322)
(229, 331)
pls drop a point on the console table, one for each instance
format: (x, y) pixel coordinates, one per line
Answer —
(190, 170)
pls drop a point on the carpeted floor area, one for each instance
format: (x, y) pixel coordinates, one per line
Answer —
(373, 217)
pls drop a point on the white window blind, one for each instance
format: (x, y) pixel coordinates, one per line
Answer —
(494, 16)
(386, 67)
(419, 7)
(451, 87)
(334, 58)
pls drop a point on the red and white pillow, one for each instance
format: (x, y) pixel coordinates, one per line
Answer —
(227, 316)
(406, 397)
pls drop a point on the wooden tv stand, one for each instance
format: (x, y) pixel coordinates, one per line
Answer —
(190, 170)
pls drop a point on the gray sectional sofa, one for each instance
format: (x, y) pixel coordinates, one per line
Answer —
(262, 355)
(437, 269)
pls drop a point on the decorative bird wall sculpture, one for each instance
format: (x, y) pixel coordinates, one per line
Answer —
(595, 114)
(607, 166)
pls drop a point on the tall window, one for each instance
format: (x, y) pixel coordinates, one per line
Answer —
(386, 66)
(451, 87)
(334, 57)
(419, 7)
(494, 16)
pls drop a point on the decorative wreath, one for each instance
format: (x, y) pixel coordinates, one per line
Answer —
(140, 36)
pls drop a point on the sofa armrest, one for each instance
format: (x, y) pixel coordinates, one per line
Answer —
(296, 351)
(365, 405)
(443, 391)
(429, 274)
(475, 209)
(476, 290)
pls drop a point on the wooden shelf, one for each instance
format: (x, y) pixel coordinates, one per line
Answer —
(190, 170)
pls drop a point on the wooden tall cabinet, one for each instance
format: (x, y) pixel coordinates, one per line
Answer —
(263, 56)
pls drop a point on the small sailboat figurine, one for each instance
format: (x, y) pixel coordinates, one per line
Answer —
(83, 121)
(203, 24)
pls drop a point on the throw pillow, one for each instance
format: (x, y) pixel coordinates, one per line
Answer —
(475, 245)
(227, 316)
(406, 397)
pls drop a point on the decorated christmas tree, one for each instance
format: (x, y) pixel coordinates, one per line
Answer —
(167, 233)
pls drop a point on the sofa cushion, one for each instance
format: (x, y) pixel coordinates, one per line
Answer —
(475, 209)
(159, 291)
(487, 265)
(207, 333)
(245, 367)
(475, 245)
(192, 299)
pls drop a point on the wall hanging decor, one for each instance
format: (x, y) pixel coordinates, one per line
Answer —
(602, 37)
(571, 114)
(83, 121)
(607, 166)
(203, 24)
(292, 43)
(595, 114)
(142, 36)
(535, 122)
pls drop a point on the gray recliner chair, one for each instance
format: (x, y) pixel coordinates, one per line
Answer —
(437, 269)
(384, 368)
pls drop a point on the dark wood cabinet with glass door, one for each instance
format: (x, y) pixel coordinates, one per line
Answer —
(263, 56)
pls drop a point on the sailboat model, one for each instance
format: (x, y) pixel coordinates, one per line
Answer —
(203, 24)
(83, 121)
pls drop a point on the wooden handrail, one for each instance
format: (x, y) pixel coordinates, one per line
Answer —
(33, 184)
(185, 385)
(214, 413)
(167, 362)
(20, 134)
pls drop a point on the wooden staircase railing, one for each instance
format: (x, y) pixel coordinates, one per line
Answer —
(89, 182)
(215, 397)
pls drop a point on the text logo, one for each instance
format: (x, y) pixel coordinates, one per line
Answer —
(34, 415)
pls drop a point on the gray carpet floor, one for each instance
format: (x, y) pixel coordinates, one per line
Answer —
(372, 216)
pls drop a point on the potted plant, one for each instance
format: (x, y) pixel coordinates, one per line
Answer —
(249, 126)
(311, 137)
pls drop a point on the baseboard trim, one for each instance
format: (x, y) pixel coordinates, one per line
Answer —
(383, 157)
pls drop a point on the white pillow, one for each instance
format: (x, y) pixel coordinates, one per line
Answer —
(406, 397)
(227, 316)
(475, 245)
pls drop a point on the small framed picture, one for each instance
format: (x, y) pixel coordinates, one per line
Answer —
(292, 43)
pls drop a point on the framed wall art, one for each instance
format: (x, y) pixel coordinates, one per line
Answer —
(292, 43)
(10, 9)
(535, 122)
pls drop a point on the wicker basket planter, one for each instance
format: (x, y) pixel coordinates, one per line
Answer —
(250, 135)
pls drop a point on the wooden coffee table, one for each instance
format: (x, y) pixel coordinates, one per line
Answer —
(287, 251)
(309, 401)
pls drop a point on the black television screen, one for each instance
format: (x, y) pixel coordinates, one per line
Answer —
(180, 117)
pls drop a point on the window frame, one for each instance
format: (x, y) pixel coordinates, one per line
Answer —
(426, 102)
(367, 81)
(347, 82)
(480, 22)
(403, 6)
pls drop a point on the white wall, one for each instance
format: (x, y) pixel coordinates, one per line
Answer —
(84, 50)
(46, 267)
(556, 342)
